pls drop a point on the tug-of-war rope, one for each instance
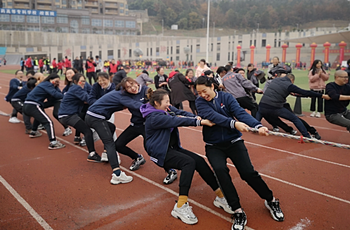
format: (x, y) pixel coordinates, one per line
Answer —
(304, 139)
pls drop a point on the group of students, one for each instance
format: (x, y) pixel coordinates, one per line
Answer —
(89, 109)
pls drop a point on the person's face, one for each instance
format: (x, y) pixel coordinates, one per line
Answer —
(206, 92)
(19, 75)
(81, 82)
(275, 61)
(190, 74)
(223, 73)
(113, 61)
(132, 87)
(250, 68)
(201, 64)
(342, 79)
(241, 72)
(164, 103)
(69, 74)
(319, 65)
(55, 82)
(161, 71)
(28, 76)
(127, 71)
(103, 82)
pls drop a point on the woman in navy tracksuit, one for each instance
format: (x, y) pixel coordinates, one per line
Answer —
(87, 88)
(163, 145)
(71, 106)
(34, 107)
(15, 85)
(100, 88)
(224, 141)
(97, 118)
(19, 98)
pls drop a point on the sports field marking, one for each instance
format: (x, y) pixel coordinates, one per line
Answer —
(24, 203)
(285, 151)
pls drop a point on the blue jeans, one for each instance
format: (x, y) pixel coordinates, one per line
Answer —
(286, 114)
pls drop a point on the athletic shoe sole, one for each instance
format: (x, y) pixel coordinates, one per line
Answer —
(93, 161)
(245, 223)
(185, 220)
(53, 148)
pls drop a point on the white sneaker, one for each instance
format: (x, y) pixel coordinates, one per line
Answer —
(313, 114)
(104, 157)
(122, 179)
(222, 203)
(185, 214)
(67, 132)
(14, 120)
(318, 115)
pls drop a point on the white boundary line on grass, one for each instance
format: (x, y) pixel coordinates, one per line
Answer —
(24, 203)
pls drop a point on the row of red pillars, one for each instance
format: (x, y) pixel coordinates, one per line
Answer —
(298, 46)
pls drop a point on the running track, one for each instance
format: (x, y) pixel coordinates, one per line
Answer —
(59, 189)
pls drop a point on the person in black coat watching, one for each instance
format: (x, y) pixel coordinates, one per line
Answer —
(120, 75)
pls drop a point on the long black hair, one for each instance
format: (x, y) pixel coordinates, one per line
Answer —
(51, 76)
(313, 67)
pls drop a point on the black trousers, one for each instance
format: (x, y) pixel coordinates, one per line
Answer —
(128, 135)
(56, 106)
(248, 103)
(105, 131)
(319, 102)
(90, 76)
(81, 127)
(188, 162)
(18, 107)
(40, 117)
(82, 115)
(237, 152)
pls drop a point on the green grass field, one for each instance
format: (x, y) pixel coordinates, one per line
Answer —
(301, 80)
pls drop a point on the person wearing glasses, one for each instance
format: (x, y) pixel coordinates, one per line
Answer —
(339, 91)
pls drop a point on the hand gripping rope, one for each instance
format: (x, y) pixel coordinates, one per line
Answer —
(304, 139)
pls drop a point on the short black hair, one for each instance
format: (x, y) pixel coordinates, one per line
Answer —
(31, 82)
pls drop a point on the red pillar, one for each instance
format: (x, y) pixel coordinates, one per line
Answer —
(284, 52)
(326, 46)
(298, 46)
(342, 46)
(268, 48)
(239, 56)
(313, 51)
(252, 48)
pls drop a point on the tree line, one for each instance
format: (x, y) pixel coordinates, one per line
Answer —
(241, 14)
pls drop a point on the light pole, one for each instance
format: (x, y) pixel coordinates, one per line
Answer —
(208, 16)
(162, 27)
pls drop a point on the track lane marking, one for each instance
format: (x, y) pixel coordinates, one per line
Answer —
(25, 204)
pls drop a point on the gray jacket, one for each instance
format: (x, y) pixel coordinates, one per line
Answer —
(143, 78)
(236, 84)
(277, 91)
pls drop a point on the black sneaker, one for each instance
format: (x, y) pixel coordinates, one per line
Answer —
(172, 175)
(77, 140)
(94, 157)
(137, 163)
(293, 132)
(317, 136)
(275, 210)
(240, 221)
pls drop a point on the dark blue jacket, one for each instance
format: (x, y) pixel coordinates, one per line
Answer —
(21, 95)
(73, 101)
(159, 125)
(87, 87)
(139, 99)
(97, 92)
(222, 110)
(109, 103)
(14, 84)
(42, 91)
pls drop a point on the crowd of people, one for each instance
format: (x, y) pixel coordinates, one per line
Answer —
(217, 101)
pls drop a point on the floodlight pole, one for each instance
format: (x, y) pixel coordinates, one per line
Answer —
(207, 48)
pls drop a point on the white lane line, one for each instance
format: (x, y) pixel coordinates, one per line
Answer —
(285, 151)
(24, 203)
